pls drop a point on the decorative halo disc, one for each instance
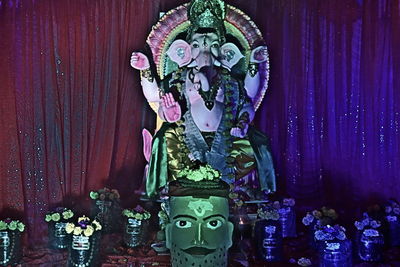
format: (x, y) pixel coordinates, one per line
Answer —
(175, 22)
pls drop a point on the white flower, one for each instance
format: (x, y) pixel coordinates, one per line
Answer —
(371, 233)
(69, 228)
(332, 246)
(77, 230)
(88, 231)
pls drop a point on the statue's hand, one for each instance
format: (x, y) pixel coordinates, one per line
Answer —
(259, 54)
(240, 132)
(139, 61)
(171, 108)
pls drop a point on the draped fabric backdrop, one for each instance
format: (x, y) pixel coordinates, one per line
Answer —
(72, 109)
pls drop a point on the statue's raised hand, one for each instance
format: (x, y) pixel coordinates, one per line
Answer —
(259, 54)
(171, 109)
(139, 61)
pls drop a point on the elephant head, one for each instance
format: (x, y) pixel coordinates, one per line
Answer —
(203, 50)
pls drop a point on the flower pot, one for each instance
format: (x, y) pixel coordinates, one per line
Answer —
(135, 232)
(58, 238)
(370, 248)
(83, 250)
(336, 254)
(287, 217)
(10, 248)
(314, 244)
(268, 240)
(108, 213)
(394, 231)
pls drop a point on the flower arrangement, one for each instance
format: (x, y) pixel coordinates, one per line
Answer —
(392, 211)
(84, 227)
(236, 198)
(329, 233)
(286, 202)
(105, 194)
(59, 214)
(203, 172)
(137, 213)
(322, 217)
(12, 225)
(368, 226)
(268, 213)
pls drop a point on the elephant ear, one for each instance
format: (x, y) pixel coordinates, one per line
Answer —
(230, 55)
(180, 52)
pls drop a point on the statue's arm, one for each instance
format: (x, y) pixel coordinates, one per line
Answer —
(252, 80)
(148, 81)
(245, 117)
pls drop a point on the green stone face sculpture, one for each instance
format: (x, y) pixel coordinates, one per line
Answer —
(199, 233)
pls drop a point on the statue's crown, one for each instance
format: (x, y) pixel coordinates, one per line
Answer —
(207, 14)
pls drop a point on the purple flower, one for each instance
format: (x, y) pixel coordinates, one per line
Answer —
(139, 209)
(388, 209)
(320, 235)
(84, 224)
(396, 211)
(308, 219)
(375, 224)
(359, 225)
(341, 236)
(391, 218)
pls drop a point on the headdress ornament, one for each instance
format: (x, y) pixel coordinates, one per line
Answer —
(207, 14)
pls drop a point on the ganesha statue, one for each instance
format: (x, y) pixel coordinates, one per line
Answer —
(209, 76)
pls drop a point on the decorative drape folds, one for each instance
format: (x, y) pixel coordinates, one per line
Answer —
(72, 110)
(71, 107)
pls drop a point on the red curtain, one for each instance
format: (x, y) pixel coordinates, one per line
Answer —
(72, 108)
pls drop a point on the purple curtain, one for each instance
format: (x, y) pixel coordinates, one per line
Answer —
(72, 109)
(332, 110)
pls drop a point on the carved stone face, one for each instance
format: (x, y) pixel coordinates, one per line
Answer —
(199, 233)
(205, 48)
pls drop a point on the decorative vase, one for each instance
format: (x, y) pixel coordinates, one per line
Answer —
(135, 232)
(335, 254)
(10, 248)
(287, 217)
(268, 239)
(394, 232)
(107, 212)
(370, 248)
(83, 250)
(58, 238)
